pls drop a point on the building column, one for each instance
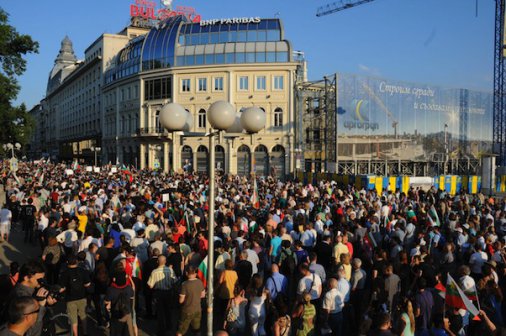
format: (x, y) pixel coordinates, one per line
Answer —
(176, 152)
(194, 167)
(151, 155)
(166, 156)
(142, 155)
(231, 158)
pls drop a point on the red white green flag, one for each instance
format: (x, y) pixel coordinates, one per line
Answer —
(202, 271)
(136, 268)
(456, 298)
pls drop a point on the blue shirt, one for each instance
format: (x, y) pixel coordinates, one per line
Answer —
(277, 283)
(276, 246)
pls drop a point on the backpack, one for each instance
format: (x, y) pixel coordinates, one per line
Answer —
(121, 306)
(288, 266)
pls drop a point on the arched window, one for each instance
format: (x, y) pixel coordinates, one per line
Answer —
(202, 118)
(278, 117)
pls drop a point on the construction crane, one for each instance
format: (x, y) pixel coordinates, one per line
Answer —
(499, 113)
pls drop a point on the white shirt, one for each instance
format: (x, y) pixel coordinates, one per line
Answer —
(5, 216)
(305, 285)
(477, 260)
(85, 243)
(253, 259)
(43, 222)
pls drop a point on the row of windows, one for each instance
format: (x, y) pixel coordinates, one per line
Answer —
(261, 83)
(269, 24)
(231, 58)
(160, 88)
(121, 71)
(202, 84)
(126, 93)
(232, 36)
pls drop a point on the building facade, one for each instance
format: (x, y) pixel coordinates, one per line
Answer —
(193, 64)
(70, 122)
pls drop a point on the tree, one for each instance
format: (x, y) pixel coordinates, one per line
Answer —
(17, 125)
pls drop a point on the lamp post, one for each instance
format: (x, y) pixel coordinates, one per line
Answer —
(11, 147)
(222, 116)
(95, 149)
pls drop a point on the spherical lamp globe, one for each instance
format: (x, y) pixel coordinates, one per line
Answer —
(189, 122)
(253, 119)
(173, 117)
(236, 126)
(221, 115)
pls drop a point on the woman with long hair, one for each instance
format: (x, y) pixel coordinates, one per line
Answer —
(406, 322)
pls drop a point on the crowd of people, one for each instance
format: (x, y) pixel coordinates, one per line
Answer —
(122, 245)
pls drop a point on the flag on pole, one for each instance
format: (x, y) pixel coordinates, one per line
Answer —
(41, 179)
(136, 268)
(387, 223)
(433, 217)
(202, 271)
(75, 166)
(455, 297)
(254, 198)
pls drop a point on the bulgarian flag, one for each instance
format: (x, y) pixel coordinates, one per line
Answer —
(136, 268)
(456, 298)
(202, 271)
(254, 198)
(387, 223)
(75, 165)
(128, 173)
(433, 217)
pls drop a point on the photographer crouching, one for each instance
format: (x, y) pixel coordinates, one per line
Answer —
(31, 278)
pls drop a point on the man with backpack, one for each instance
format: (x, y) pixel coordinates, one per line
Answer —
(74, 281)
(118, 301)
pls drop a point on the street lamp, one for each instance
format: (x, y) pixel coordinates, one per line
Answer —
(222, 116)
(95, 149)
(11, 147)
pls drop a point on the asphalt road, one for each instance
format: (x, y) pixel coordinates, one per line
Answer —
(16, 250)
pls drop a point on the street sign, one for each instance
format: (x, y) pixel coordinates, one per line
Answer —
(14, 164)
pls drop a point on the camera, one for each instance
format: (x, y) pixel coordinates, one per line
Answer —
(52, 290)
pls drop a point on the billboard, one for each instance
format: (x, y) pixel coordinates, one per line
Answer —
(393, 120)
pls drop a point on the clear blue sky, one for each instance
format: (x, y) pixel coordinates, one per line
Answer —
(429, 41)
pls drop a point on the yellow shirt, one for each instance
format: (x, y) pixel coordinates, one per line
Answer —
(339, 249)
(83, 220)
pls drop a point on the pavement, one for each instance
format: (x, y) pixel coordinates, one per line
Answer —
(17, 250)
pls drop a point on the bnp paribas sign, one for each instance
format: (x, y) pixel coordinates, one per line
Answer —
(148, 10)
(230, 21)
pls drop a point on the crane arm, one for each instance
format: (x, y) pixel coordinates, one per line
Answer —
(339, 6)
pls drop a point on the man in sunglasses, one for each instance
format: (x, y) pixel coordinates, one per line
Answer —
(22, 315)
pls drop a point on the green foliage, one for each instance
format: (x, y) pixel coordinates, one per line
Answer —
(17, 124)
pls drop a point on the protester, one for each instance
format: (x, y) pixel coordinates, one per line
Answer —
(306, 258)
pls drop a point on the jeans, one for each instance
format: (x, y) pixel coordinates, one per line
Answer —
(336, 323)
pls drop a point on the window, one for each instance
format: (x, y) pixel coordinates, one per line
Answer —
(278, 117)
(278, 83)
(160, 88)
(218, 84)
(243, 83)
(185, 85)
(261, 83)
(202, 84)
(202, 118)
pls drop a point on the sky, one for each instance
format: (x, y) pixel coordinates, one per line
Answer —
(440, 42)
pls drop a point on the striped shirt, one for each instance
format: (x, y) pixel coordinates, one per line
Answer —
(162, 278)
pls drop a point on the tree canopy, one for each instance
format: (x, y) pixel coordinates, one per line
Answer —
(17, 124)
